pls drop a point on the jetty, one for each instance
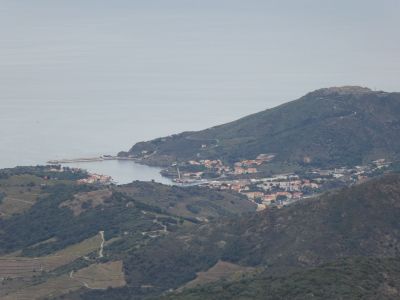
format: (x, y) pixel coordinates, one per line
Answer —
(88, 159)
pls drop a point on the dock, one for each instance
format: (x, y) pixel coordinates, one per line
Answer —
(88, 159)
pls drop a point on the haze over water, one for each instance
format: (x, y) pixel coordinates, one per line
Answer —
(85, 78)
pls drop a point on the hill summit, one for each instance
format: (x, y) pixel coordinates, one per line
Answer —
(344, 90)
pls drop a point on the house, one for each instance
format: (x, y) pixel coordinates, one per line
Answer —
(239, 170)
(297, 195)
(254, 195)
(251, 171)
(269, 198)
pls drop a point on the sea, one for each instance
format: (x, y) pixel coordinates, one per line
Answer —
(89, 78)
(33, 131)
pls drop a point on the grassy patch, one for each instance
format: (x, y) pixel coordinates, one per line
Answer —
(221, 270)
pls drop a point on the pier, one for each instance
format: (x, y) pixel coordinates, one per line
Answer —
(88, 159)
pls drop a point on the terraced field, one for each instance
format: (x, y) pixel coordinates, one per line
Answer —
(96, 276)
(16, 266)
(15, 270)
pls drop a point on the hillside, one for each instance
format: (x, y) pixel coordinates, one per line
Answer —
(191, 202)
(350, 278)
(325, 128)
(59, 235)
(144, 239)
(361, 221)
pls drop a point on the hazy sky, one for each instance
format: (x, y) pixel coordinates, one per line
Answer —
(261, 52)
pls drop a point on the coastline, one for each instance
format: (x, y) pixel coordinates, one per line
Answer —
(123, 170)
(139, 161)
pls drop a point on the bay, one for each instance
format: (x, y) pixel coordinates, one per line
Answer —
(33, 131)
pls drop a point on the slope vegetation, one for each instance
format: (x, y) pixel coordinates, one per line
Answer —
(72, 233)
(361, 221)
(350, 278)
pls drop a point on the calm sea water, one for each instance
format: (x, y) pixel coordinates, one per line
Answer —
(124, 171)
(35, 131)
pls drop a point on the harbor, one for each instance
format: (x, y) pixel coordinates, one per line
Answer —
(123, 170)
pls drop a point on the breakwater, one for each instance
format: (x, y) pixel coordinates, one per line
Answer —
(88, 159)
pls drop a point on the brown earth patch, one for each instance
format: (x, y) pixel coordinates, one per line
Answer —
(221, 270)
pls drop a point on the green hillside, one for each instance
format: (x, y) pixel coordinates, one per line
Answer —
(143, 240)
(51, 225)
(350, 278)
(358, 221)
(325, 128)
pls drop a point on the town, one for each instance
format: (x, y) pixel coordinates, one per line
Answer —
(96, 179)
(248, 177)
(89, 178)
(270, 191)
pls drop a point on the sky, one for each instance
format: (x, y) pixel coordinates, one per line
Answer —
(158, 67)
(220, 50)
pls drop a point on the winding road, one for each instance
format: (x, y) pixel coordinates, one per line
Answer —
(102, 244)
